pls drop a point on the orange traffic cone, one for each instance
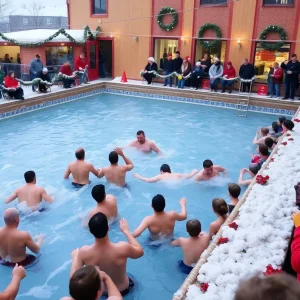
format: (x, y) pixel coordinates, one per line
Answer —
(124, 78)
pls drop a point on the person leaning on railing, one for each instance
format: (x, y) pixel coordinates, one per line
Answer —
(151, 66)
(43, 75)
(67, 70)
(15, 90)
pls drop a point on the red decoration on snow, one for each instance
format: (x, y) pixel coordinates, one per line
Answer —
(233, 225)
(288, 134)
(284, 143)
(297, 120)
(272, 159)
(204, 287)
(291, 139)
(223, 241)
(270, 271)
(262, 179)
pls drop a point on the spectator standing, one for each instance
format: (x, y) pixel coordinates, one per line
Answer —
(276, 80)
(16, 92)
(67, 70)
(81, 65)
(215, 72)
(197, 75)
(186, 69)
(36, 65)
(7, 59)
(229, 73)
(43, 75)
(170, 65)
(246, 72)
(163, 62)
(292, 70)
(206, 63)
(19, 58)
(2, 75)
(151, 66)
(177, 64)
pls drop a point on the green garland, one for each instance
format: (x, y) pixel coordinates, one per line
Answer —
(273, 46)
(210, 44)
(87, 33)
(164, 11)
(35, 81)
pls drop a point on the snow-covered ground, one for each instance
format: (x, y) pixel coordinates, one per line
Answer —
(264, 227)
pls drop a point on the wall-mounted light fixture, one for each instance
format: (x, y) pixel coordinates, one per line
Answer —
(136, 38)
(62, 44)
(5, 44)
(239, 43)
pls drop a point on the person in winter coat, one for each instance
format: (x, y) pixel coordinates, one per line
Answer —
(228, 75)
(169, 70)
(177, 64)
(1, 75)
(16, 92)
(163, 62)
(81, 64)
(246, 72)
(151, 66)
(67, 70)
(36, 65)
(295, 258)
(215, 72)
(206, 63)
(44, 75)
(186, 69)
(197, 75)
(276, 76)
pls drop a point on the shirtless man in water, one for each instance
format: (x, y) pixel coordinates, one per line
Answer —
(110, 257)
(166, 174)
(106, 204)
(114, 173)
(209, 171)
(30, 193)
(193, 246)
(144, 145)
(80, 170)
(13, 242)
(162, 223)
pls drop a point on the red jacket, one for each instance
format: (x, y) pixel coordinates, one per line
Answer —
(295, 260)
(66, 69)
(80, 63)
(11, 82)
(231, 73)
(277, 79)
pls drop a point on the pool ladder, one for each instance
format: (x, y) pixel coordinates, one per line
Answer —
(242, 105)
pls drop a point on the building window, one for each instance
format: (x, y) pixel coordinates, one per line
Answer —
(49, 21)
(99, 7)
(265, 59)
(278, 2)
(212, 2)
(25, 21)
(218, 52)
(57, 56)
(162, 46)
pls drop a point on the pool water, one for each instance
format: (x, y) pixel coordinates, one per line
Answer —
(45, 141)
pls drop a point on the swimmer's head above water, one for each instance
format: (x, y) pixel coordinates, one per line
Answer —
(80, 154)
(11, 217)
(193, 227)
(98, 193)
(158, 203)
(220, 207)
(113, 157)
(165, 169)
(234, 190)
(208, 167)
(30, 177)
(98, 226)
(140, 136)
(254, 168)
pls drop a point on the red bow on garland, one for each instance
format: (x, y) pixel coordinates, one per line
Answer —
(272, 159)
(288, 134)
(223, 241)
(270, 271)
(284, 143)
(262, 179)
(204, 287)
(297, 120)
(233, 225)
(291, 139)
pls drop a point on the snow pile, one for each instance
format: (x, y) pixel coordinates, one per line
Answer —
(264, 227)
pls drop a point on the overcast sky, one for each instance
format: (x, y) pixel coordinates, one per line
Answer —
(51, 7)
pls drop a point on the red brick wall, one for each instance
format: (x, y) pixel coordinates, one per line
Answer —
(28, 54)
(157, 6)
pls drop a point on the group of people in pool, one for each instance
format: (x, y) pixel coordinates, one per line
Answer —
(104, 261)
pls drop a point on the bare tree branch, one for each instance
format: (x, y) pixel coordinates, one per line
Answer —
(4, 8)
(35, 10)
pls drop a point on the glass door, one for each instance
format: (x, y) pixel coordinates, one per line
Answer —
(93, 59)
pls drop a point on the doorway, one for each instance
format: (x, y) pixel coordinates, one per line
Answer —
(106, 58)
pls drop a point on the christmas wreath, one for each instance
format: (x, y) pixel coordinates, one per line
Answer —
(164, 11)
(210, 44)
(273, 46)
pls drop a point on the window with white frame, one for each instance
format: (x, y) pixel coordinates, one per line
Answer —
(49, 21)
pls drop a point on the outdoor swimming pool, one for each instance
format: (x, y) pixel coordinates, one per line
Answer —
(45, 141)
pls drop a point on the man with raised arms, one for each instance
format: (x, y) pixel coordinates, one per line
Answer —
(13, 242)
(30, 193)
(80, 170)
(209, 171)
(143, 144)
(161, 224)
(166, 175)
(115, 173)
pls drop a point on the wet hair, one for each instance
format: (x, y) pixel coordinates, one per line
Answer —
(193, 227)
(207, 164)
(98, 225)
(220, 206)
(281, 120)
(113, 157)
(98, 192)
(158, 203)
(274, 287)
(269, 142)
(85, 283)
(80, 153)
(254, 168)
(29, 176)
(165, 168)
(288, 124)
(10, 216)
(275, 127)
(234, 190)
(263, 149)
(265, 131)
(140, 132)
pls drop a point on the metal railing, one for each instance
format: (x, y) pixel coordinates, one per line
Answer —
(278, 2)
